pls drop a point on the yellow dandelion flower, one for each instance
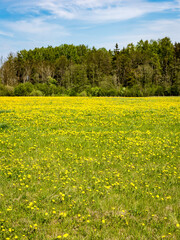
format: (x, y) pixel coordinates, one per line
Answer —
(65, 235)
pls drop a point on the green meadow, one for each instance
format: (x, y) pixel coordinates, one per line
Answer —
(89, 168)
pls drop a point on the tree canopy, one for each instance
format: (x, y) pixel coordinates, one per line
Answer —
(145, 69)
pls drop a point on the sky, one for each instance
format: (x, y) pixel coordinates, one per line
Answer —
(26, 24)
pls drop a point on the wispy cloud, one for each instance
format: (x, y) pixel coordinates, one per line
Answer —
(103, 11)
(6, 34)
(30, 33)
(36, 26)
(94, 10)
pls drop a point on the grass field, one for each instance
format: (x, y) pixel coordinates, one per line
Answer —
(89, 168)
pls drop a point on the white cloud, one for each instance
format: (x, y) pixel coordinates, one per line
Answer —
(103, 10)
(94, 10)
(6, 34)
(36, 27)
(96, 3)
(58, 9)
(30, 33)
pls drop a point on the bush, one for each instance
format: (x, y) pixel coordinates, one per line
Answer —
(3, 91)
(111, 93)
(23, 89)
(36, 93)
(121, 92)
(159, 91)
(167, 91)
(97, 92)
(9, 90)
(52, 80)
(46, 89)
(83, 94)
(43, 87)
(60, 90)
(52, 90)
(175, 90)
(71, 92)
(149, 90)
(134, 91)
(6, 90)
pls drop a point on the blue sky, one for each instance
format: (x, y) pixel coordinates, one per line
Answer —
(26, 24)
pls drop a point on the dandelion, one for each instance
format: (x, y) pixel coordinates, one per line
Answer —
(35, 226)
(89, 159)
(65, 235)
(9, 209)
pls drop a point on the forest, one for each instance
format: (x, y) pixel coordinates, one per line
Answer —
(149, 68)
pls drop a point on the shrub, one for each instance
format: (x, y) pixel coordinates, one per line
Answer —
(52, 90)
(23, 89)
(97, 92)
(9, 90)
(159, 91)
(47, 89)
(83, 94)
(167, 91)
(71, 92)
(52, 80)
(36, 93)
(121, 91)
(3, 91)
(111, 93)
(149, 90)
(6, 90)
(43, 87)
(175, 90)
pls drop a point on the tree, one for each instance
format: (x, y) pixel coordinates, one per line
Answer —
(61, 65)
(166, 54)
(156, 66)
(147, 65)
(116, 50)
(8, 71)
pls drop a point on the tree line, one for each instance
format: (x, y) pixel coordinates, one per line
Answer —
(149, 68)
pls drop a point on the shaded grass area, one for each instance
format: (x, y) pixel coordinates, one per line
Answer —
(89, 168)
(5, 111)
(3, 126)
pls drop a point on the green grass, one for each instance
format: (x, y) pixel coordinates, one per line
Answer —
(89, 168)
(3, 126)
